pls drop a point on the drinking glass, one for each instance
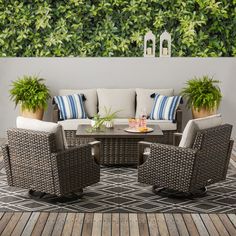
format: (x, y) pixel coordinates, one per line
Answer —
(137, 123)
(143, 118)
(132, 123)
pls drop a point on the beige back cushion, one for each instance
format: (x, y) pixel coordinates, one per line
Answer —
(50, 127)
(193, 126)
(117, 99)
(91, 102)
(144, 101)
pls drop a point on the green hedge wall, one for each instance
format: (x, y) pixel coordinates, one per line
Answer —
(101, 28)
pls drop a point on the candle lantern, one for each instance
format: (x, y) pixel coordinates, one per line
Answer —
(165, 44)
(149, 44)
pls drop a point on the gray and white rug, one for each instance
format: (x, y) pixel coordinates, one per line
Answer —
(119, 191)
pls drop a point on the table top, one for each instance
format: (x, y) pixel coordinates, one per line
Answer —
(116, 131)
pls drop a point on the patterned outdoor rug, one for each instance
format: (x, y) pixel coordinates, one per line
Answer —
(119, 191)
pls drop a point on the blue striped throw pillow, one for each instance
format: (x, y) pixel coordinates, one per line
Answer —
(70, 106)
(165, 107)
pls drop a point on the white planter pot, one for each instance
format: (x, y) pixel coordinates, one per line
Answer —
(109, 124)
(93, 122)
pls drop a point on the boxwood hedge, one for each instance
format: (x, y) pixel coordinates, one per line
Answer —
(101, 28)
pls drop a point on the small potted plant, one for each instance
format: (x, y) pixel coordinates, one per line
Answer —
(109, 117)
(97, 122)
(203, 96)
(32, 95)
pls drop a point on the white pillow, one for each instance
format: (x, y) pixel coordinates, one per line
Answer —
(193, 126)
(144, 100)
(122, 100)
(50, 127)
(91, 102)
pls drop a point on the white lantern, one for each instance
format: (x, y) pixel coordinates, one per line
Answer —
(165, 50)
(149, 44)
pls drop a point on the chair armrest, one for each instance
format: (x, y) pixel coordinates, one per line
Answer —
(97, 147)
(164, 149)
(167, 166)
(141, 146)
(71, 151)
(176, 138)
(7, 163)
(80, 150)
(74, 168)
(4, 149)
(78, 159)
(231, 145)
(55, 113)
(171, 149)
(171, 154)
(178, 119)
(178, 134)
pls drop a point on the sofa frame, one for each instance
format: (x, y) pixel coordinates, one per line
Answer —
(74, 141)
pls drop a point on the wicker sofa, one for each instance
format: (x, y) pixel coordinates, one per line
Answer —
(128, 101)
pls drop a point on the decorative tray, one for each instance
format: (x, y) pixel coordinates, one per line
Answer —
(133, 130)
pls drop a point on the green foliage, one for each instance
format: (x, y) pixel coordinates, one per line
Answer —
(202, 93)
(30, 92)
(99, 121)
(101, 28)
(109, 115)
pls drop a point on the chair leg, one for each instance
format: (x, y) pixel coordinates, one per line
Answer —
(45, 197)
(35, 194)
(165, 192)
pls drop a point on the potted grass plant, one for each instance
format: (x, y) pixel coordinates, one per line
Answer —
(107, 120)
(97, 122)
(31, 94)
(109, 117)
(203, 96)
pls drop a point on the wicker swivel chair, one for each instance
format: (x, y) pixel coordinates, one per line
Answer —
(185, 172)
(33, 162)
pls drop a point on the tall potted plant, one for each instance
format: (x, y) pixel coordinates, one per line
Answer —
(32, 95)
(203, 96)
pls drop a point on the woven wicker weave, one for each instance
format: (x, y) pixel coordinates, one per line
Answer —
(74, 141)
(121, 151)
(32, 162)
(118, 146)
(188, 169)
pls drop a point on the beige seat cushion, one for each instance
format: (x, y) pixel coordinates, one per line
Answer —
(38, 125)
(122, 100)
(193, 126)
(72, 124)
(144, 101)
(91, 102)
